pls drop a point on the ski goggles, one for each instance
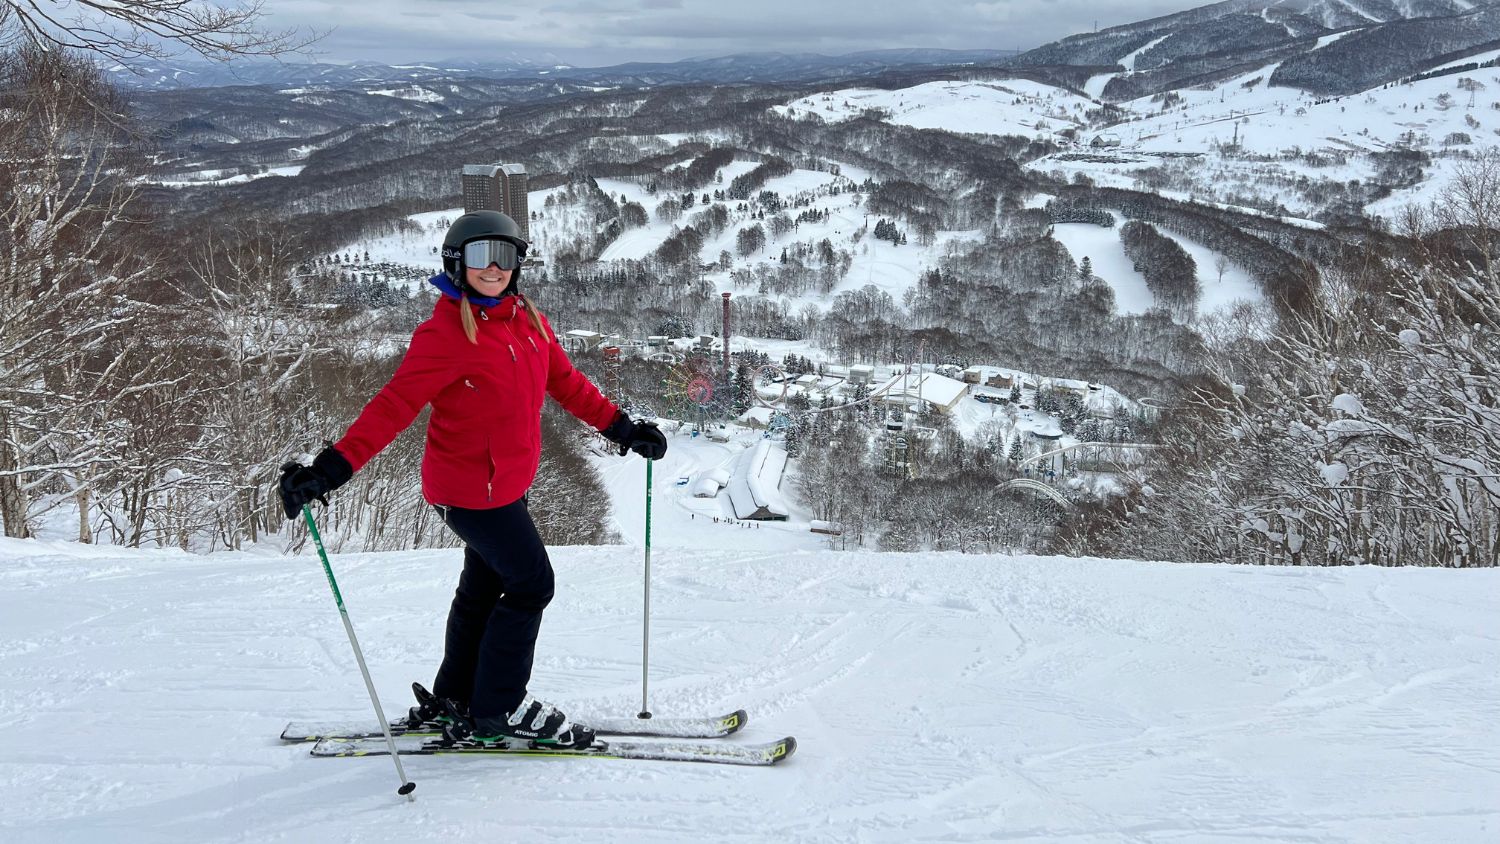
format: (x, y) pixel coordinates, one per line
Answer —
(479, 254)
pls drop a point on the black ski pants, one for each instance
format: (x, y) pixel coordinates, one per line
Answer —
(497, 609)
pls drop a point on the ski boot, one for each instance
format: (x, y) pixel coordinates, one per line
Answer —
(535, 724)
(432, 712)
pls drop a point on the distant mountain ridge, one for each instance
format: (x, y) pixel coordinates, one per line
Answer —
(1327, 47)
(739, 68)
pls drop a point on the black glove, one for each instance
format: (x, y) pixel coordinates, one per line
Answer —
(643, 438)
(301, 485)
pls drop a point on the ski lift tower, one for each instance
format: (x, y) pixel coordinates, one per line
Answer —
(897, 446)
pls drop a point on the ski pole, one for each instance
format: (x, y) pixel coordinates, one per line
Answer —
(646, 615)
(407, 786)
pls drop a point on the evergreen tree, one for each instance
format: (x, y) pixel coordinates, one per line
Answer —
(744, 389)
(1089, 431)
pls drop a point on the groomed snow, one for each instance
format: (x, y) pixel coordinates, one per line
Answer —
(934, 697)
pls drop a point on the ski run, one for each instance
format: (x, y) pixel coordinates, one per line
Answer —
(934, 697)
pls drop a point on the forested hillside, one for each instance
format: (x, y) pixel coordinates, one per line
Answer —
(235, 319)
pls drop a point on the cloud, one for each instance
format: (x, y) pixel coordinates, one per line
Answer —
(997, 12)
(600, 32)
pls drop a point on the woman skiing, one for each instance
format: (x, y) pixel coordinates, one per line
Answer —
(484, 361)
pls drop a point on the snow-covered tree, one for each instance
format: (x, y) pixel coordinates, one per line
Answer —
(1366, 429)
(71, 272)
(259, 339)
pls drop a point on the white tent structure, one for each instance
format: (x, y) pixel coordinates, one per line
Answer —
(755, 488)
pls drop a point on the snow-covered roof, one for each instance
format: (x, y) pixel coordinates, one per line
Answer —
(940, 389)
(755, 488)
(758, 414)
(705, 488)
(931, 387)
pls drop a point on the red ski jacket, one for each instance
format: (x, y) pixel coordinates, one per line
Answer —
(484, 439)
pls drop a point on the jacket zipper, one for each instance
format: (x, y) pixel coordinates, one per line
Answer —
(489, 484)
(530, 379)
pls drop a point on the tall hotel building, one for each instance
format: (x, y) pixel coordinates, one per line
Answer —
(498, 187)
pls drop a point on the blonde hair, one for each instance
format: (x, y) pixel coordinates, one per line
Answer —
(471, 328)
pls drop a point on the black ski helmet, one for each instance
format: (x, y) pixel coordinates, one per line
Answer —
(478, 225)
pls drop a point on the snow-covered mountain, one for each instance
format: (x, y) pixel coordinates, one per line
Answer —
(175, 75)
(934, 697)
(743, 67)
(1319, 46)
(1240, 139)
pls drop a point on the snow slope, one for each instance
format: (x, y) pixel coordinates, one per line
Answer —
(893, 269)
(935, 697)
(1109, 262)
(996, 107)
(1107, 256)
(1256, 138)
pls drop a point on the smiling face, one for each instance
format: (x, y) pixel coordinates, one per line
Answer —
(490, 281)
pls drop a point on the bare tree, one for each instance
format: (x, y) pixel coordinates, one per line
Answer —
(257, 340)
(1367, 430)
(1468, 213)
(69, 265)
(124, 30)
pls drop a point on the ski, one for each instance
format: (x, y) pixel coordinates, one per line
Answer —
(769, 753)
(698, 728)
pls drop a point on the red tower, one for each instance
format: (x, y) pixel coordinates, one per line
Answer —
(727, 374)
(612, 373)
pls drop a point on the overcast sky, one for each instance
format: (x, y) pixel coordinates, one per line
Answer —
(605, 32)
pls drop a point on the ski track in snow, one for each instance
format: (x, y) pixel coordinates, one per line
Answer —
(935, 697)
